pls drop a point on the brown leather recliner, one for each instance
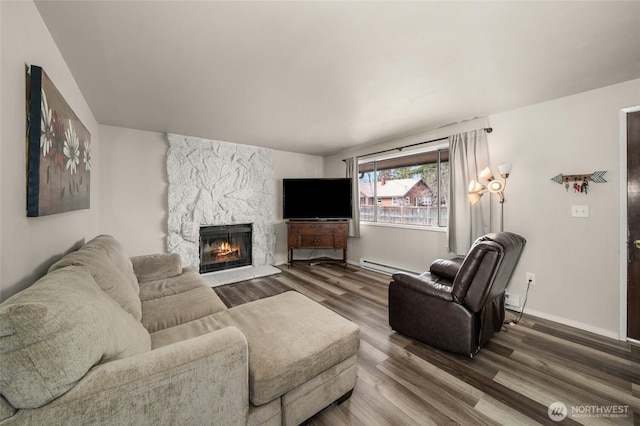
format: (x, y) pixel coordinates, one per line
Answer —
(459, 303)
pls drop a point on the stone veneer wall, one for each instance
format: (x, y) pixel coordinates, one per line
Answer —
(219, 183)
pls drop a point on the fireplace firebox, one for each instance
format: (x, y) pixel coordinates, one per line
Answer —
(224, 247)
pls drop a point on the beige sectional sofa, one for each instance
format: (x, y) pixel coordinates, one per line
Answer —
(107, 339)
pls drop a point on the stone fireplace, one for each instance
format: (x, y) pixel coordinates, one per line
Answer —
(224, 247)
(214, 183)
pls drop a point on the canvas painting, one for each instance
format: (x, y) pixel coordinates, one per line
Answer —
(59, 151)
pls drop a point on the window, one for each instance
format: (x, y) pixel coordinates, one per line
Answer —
(388, 185)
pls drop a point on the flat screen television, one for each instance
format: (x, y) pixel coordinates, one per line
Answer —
(316, 198)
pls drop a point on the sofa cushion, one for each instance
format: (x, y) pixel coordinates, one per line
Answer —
(6, 409)
(118, 256)
(111, 269)
(53, 332)
(152, 267)
(173, 301)
(291, 340)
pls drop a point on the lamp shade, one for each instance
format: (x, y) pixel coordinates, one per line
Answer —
(474, 197)
(505, 169)
(486, 174)
(475, 187)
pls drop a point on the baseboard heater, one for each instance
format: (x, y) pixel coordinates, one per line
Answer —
(381, 267)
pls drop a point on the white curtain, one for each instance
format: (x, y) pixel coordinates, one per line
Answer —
(352, 172)
(468, 155)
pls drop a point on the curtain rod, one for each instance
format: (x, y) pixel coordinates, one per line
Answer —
(486, 129)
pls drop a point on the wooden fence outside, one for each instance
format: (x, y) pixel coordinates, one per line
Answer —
(407, 215)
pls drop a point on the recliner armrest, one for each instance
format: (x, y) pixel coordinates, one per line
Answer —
(426, 283)
(446, 268)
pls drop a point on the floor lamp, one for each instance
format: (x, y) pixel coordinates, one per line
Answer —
(494, 186)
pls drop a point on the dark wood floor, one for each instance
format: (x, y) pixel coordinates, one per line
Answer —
(511, 381)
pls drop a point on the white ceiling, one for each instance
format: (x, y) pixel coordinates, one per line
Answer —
(321, 77)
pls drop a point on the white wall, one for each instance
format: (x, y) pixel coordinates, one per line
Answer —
(134, 189)
(576, 261)
(133, 182)
(290, 165)
(28, 246)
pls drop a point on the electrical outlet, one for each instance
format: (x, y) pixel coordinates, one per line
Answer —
(531, 277)
(579, 211)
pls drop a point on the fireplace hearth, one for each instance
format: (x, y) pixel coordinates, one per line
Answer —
(224, 247)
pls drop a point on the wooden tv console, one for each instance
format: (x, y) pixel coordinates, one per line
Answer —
(317, 234)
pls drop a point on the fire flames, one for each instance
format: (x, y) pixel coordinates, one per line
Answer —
(226, 250)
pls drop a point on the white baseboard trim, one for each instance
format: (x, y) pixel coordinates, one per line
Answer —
(575, 324)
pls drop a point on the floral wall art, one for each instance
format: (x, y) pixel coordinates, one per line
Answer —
(59, 151)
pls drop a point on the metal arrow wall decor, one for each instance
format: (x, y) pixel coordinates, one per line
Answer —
(580, 182)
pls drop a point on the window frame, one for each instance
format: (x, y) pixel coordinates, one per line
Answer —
(427, 148)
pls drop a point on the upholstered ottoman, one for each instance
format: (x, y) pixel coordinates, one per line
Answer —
(299, 351)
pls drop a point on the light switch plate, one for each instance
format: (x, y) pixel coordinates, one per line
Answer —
(579, 211)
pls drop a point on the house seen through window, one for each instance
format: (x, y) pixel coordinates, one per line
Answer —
(409, 189)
